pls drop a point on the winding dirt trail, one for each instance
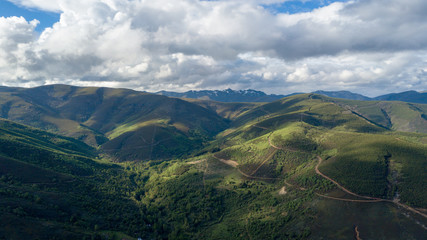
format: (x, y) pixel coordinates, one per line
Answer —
(320, 160)
(264, 128)
(368, 199)
(272, 145)
(371, 199)
(339, 185)
(350, 200)
(356, 229)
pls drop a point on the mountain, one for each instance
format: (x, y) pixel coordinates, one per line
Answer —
(289, 143)
(343, 94)
(409, 96)
(125, 124)
(258, 96)
(228, 110)
(311, 123)
(302, 167)
(395, 115)
(227, 95)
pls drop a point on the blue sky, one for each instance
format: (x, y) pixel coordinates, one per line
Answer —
(296, 6)
(46, 19)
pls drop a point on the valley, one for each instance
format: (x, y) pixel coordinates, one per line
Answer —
(102, 163)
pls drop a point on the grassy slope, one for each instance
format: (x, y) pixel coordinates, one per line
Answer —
(362, 156)
(227, 110)
(399, 116)
(116, 116)
(378, 165)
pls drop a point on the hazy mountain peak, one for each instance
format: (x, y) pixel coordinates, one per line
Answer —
(226, 95)
(407, 96)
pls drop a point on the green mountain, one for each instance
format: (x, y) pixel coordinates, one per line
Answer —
(226, 110)
(126, 124)
(302, 167)
(408, 96)
(399, 116)
(343, 94)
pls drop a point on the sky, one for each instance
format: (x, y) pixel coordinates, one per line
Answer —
(371, 47)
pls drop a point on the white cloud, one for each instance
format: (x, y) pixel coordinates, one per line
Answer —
(366, 46)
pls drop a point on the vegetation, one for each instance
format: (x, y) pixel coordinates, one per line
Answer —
(161, 169)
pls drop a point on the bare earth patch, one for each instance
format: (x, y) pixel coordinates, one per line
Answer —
(283, 191)
(230, 162)
(196, 162)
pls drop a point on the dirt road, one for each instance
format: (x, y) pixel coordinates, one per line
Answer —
(339, 185)
(370, 198)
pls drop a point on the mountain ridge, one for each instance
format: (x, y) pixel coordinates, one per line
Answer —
(250, 95)
(98, 116)
(227, 95)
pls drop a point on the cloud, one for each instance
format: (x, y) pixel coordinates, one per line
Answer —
(366, 46)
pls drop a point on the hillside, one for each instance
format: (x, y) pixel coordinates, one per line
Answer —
(325, 126)
(228, 110)
(343, 94)
(399, 116)
(280, 143)
(50, 183)
(302, 167)
(111, 118)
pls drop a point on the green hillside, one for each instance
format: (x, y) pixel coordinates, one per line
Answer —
(399, 116)
(111, 117)
(227, 110)
(363, 155)
(49, 186)
(378, 165)
(303, 167)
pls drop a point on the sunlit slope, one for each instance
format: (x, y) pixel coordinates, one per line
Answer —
(33, 107)
(225, 109)
(399, 116)
(101, 115)
(391, 166)
(366, 157)
(312, 109)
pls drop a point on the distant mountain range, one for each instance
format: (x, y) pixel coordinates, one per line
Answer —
(409, 96)
(227, 95)
(250, 95)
